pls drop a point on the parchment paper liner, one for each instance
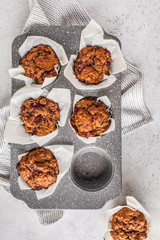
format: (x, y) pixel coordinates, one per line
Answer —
(15, 131)
(90, 140)
(63, 154)
(28, 44)
(92, 35)
(132, 203)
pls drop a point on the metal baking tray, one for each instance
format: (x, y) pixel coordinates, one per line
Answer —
(79, 188)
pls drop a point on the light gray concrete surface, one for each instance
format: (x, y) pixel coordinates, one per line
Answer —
(137, 25)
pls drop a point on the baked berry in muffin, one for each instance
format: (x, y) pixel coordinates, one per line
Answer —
(129, 224)
(39, 168)
(90, 117)
(40, 63)
(40, 116)
(91, 64)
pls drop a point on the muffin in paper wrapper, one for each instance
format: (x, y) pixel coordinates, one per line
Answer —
(153, 232)
(63, 154)
(92, 35)
(29, 43)
(90, 140)
(15, 130)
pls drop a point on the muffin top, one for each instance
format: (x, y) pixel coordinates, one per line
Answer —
(39, 168)
(90, 117)
(129, 224)
(40, 116)
(91, 64)
(39, 63)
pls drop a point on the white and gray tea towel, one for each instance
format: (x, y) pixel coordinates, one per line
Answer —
(134, 112)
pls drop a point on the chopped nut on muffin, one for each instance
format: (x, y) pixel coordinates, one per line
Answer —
(40, 116)
(40, 63)
(90, 117)
(39, 168)
(129, 224)
(91, 64)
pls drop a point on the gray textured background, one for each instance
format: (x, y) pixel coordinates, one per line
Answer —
(137, 26)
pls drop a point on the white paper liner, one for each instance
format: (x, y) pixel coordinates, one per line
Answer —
(63, 154)
(133, 204)
(28, 44)
(15, 131)
(90, 140)
(92, 35)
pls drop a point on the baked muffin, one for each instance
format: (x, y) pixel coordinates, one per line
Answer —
(40, 116)
(91, 64)
(39, 168)
(129, 224)
(90, 117)
(39, 63)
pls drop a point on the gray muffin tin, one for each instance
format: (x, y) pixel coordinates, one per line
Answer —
(95, 173)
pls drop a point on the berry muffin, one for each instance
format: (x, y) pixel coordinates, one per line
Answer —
(129, 224)
(90, 117)
(40, 116)
(91, 64)
(39, 168)
(40, 63)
